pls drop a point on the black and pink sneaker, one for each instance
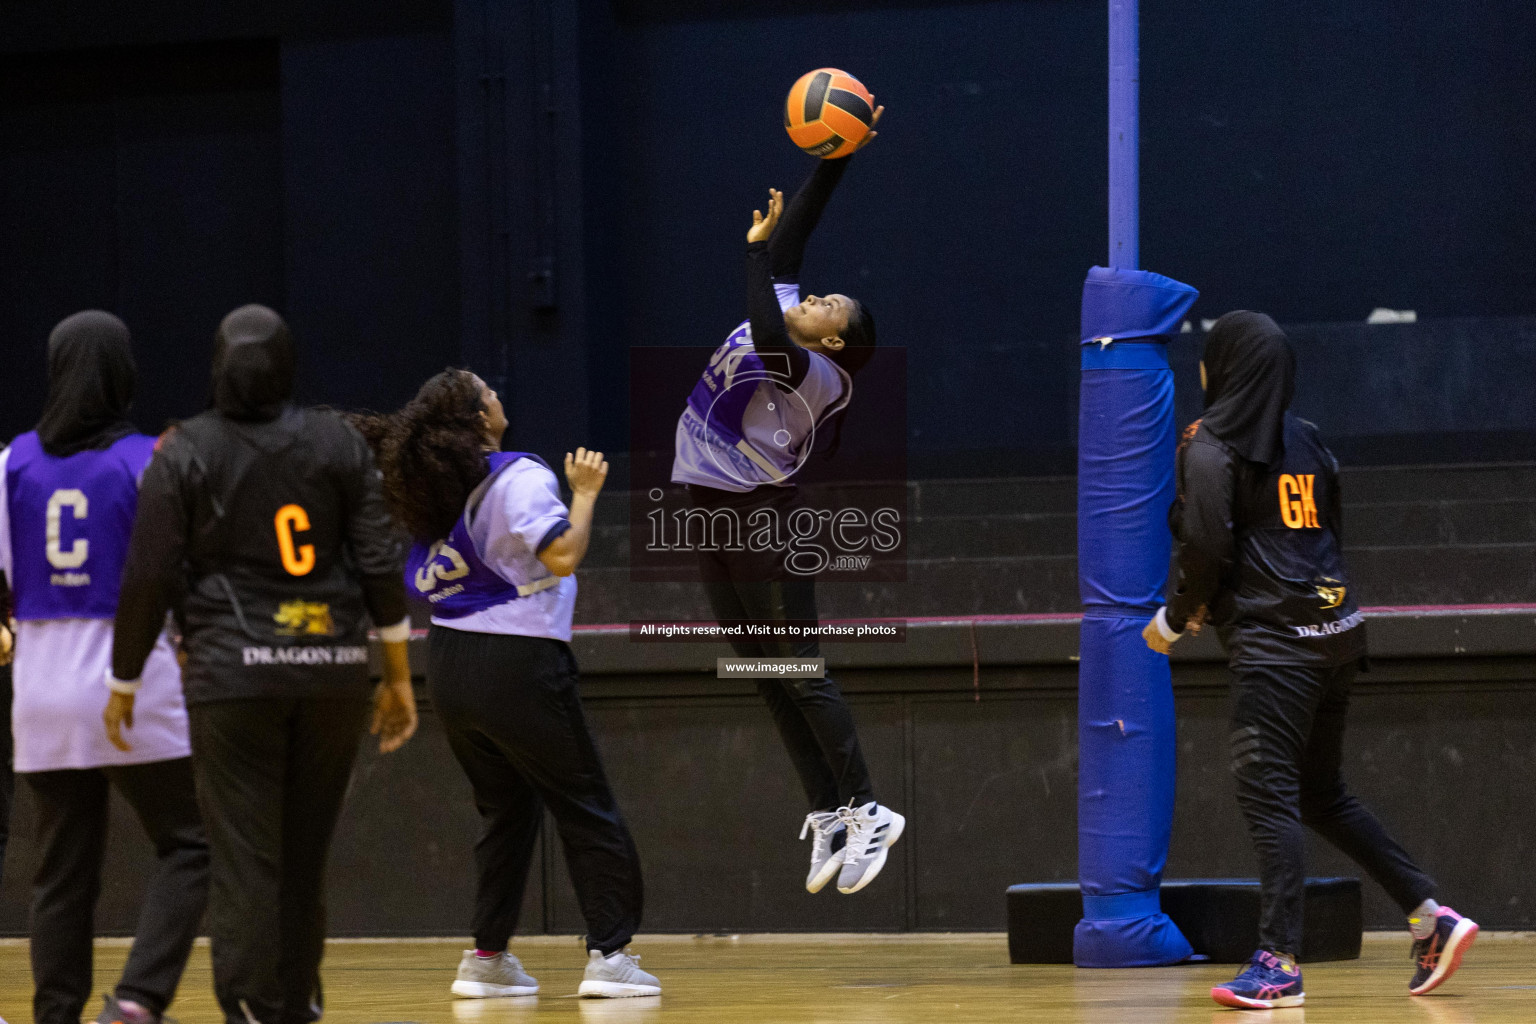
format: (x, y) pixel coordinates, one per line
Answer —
(1437, 957)
(1267, 983)
(124, 1011)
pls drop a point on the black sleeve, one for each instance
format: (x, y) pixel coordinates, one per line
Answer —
(1204, 545)
(770, 338)
(153, 573)
(1335, 500)
(786, 249)
(372, 539)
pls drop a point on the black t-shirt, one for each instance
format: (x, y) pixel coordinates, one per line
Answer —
(1260, 548)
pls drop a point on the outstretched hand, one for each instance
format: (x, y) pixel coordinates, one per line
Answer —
(586, 471)
(762, 227)
(870, 135)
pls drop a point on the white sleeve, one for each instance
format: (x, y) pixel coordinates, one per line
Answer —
(788, 293)
(519, 517)
(5, 519)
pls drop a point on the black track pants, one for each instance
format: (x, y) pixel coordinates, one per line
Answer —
(1287, 747)
(72, 813)
(271, 776)
(510, 707)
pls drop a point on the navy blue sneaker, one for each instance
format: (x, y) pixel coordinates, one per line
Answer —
(1437, 957)
(1267, 983)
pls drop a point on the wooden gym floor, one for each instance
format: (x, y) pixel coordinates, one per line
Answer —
(881, 979)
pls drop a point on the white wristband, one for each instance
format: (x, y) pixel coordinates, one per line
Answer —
(1166, 630)
(398, 633)
(128, 687)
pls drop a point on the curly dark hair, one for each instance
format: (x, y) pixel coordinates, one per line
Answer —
(431, 453)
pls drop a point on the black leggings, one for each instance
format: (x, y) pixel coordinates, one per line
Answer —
(1287, 747)
(812, 717)
(514, 720)
(7, 777)
(72, 813)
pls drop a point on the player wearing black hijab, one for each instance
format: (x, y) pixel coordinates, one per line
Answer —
(266, 524)
(68, 493)
(1257, 553)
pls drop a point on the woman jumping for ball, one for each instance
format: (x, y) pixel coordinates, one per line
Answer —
(737, 450)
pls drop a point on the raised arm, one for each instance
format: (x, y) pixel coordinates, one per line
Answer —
(786, 250)
(770, 338)
(586, 472)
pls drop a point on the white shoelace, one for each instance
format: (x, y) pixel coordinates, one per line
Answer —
(823, 825)
(858, 831)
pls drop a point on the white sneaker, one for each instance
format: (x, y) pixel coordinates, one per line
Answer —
(616, 976)
(825, 826)
(872, 830)
(492, 977)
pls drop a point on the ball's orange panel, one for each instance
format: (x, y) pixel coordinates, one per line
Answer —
(807, 135)
(794, 104)
(843, 123)
(843, 80)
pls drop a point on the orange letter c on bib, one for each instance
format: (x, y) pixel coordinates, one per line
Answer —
(291, 518)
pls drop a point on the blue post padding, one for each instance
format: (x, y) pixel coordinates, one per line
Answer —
(1122, 304)
(1124, 487)
(1126, 737)
(1122, 906)
(1124, 797)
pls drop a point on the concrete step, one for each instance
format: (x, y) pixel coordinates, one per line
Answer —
(1459, 574)
(1400, 524)
(1440, 523)
(933, 587)
(1438, 483)
(1414, 535)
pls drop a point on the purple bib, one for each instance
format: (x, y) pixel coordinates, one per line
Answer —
(71, 518)
(721, 396)
(449, 575)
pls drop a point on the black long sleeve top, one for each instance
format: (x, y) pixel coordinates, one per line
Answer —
(1260, 548)
(778, 260)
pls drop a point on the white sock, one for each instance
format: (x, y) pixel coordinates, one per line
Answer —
(1421, 922)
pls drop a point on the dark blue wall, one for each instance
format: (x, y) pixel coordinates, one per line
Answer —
(169, 161)
(1310, 160)
(400, 177)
